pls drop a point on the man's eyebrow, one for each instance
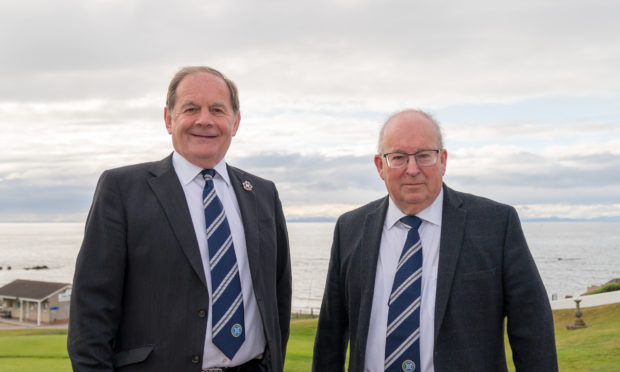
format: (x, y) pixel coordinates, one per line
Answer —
(188, 103)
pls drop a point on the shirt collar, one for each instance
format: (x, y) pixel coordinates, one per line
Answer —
(188, 171)
(431, 214)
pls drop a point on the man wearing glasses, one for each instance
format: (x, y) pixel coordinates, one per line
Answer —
(422, 279)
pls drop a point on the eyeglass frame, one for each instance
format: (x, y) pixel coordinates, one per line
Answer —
(436, 151)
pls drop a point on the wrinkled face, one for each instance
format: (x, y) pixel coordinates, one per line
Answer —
(412, 188)
(202, 122)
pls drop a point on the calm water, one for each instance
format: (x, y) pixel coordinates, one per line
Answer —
(570, 256)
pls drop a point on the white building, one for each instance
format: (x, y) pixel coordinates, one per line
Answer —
(35, 301)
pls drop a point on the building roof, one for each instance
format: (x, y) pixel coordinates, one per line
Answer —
(31, 289)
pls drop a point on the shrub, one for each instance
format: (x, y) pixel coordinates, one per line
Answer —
(606, 288)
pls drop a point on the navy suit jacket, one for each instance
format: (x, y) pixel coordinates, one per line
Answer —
(140, 299)
(486, 273)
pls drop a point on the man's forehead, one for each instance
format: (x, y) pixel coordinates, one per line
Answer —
(192, 91)
(419, 127)
(201, 74)
(410, 137)
(411, 119)
(195, 80)
(192, 102)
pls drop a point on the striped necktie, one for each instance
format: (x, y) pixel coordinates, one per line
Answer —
(227, 300)
(402, 344)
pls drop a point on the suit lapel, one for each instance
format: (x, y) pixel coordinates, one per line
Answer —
(452, 232)
(249, 217)
(367, 260)
(168, 190)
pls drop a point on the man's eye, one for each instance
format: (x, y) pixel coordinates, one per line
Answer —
(190, 110)
(398, 157)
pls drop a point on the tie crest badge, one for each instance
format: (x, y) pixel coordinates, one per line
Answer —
(408, 366)
(247, 186)
(236, 330)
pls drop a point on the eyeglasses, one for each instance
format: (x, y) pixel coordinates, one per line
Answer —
(424, 158)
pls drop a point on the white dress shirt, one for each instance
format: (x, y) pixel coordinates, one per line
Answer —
(193, 185)
(392, 241)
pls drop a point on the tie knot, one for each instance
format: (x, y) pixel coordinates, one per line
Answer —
(208, 174)
(413, 222)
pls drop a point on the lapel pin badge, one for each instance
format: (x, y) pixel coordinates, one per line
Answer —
(247, 186)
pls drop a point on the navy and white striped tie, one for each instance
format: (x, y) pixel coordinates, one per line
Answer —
(227, 300)
(402, 344)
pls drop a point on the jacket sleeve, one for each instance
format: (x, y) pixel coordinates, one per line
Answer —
(332, 335)
(284, 279)
(530, 320)
(98, 281)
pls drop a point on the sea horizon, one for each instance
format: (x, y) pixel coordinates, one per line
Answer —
(602, 219)
(571, 256)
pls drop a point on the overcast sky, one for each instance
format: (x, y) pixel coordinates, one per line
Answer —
(527, 92)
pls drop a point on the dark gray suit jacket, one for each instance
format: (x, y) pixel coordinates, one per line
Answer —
(140, 300)
(485, 273)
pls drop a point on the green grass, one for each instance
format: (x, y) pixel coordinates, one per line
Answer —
(300, 345)
(34, 349)
(593, 349)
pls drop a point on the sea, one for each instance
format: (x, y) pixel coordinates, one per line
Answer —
(570, 255)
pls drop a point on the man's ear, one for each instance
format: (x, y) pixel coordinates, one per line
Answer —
(168, 120)
(380, 166)
(236, 125)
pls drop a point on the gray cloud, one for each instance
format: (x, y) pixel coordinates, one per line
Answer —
(318, 179)
(533, 178)
(70, 49)
(307, 180)
(22, 201)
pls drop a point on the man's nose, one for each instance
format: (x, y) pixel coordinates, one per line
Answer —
(205, 117)
(412, 166)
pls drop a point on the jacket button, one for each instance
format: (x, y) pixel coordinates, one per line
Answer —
(196, 359)
(202, 313)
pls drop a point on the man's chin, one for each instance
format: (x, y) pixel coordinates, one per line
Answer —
(413, 204)
(203, 160)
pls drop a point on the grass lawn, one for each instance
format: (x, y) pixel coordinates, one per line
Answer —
(596, 348)
(34, 350)
(593, 349)
(300, 345)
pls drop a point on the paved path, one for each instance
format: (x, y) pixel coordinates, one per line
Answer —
(587, 301)
(568, 303)
(15, 324)
(7, 324)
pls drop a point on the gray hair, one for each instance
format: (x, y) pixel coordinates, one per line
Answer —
(426, 115)
(188, 70)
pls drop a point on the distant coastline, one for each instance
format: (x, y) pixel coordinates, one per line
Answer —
(334, 219)
(559, 219)
(547, 219)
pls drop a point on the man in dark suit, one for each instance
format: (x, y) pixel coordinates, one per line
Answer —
(147, 292)
(470, 269)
